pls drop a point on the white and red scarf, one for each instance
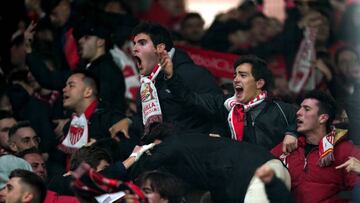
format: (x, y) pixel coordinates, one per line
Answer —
(304, 62)
(326, 149)
(78, 134)
(237, 112)
(151, 110)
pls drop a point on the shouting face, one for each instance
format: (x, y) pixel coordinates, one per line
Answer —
(245, 85)
(145, 53)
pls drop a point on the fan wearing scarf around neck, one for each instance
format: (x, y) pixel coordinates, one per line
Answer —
(89, 122)
(150, 41)
(251, 114)
(322, 147)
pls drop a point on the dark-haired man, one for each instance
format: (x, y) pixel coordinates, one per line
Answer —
(25, 187)
(158, 102)
(251, 114)
(22, 136)
(312, 165)
(36, 160)
(6, 122)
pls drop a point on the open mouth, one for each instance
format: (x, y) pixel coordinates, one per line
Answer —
(299, 122)
(239, 90)
(138, 61)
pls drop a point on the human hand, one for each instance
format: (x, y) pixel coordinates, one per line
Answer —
(166, 64)
(60, 123)
(29, 36)
(353, 164)
(265, 173)
(290, 143)
(120, 126)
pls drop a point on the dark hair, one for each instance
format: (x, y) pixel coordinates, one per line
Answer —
(91, 155)
(259, 70)
(326, 104)
(342, 49)
(17, 126)
(32, 150)
(189, 16)
(34, 181)
(166, 184)
(5, 114)
(90, 80)
(157, 33)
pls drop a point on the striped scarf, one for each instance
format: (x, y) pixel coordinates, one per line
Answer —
(151, 110)
(237, 112)
(326, 149)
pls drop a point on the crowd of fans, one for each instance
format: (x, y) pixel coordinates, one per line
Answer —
(115, 100)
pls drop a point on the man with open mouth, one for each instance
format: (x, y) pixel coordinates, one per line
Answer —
(253, 116)
(157, 102)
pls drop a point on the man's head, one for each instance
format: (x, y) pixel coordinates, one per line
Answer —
(347, 63)
(192, 27)
(25, 186)
(317, 111)
(34, 157)
(251, 77)
(22, 136)
(160, 187)
(79, 92)
(94, 39)
(149, 40)
(59, 11)
(6, 122)
(96, 157)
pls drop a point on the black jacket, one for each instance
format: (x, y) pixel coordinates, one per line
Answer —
(174, 111)
(267, 129)
(99, 123)
(109, 76)
(220, 165)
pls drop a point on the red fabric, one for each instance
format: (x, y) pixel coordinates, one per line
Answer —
(312, 183)
(53, 197)
(238, 121)
(90, 109)
(71, 50)
(218, 63)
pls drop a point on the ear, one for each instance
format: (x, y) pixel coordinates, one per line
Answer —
(13, 146)
(27, 197)
(260, 83)
(100, 42)
(160, 48)
(323, 118)
(88, 92)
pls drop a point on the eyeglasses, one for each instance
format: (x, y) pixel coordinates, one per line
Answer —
(27, 140)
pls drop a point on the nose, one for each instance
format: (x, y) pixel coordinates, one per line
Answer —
(135, 48)
(64, 89)
(299, 112)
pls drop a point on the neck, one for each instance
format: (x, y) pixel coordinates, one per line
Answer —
(81, 108)
(99, 53)
(315, 136)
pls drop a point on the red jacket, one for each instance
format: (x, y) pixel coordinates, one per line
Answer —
(312, 183)
(53, 197)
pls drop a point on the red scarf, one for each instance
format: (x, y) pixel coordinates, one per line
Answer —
(237, 112)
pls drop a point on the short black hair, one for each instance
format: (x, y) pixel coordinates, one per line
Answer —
(32, 150)
(157, 33)
(326, 104)
(189, 16)
(5, 114)
(91, 155)
(164, 183)
(342, 49)
(17, 126)
(90, 80)
(259, 70)
(34, 181)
